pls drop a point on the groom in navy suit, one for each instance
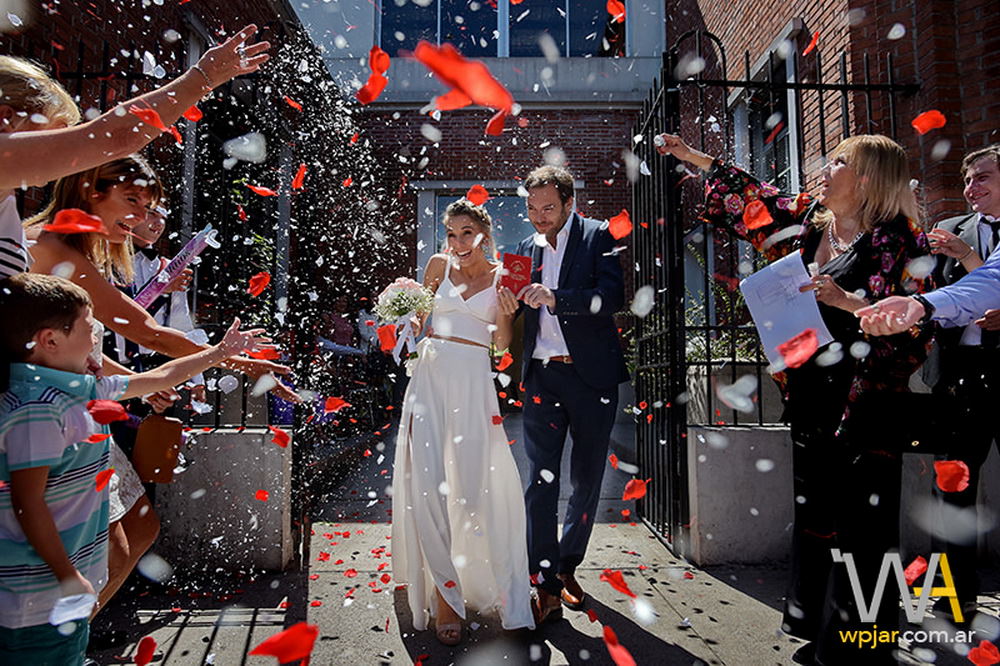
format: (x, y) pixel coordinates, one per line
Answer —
(573, 363)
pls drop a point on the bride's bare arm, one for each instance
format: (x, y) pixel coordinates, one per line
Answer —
(433, 275)
(506, 311)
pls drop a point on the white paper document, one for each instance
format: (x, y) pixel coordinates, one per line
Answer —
(779, 310)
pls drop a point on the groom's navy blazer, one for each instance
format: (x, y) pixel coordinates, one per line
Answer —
(591, 289)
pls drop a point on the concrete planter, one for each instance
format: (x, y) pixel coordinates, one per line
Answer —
(700, 382)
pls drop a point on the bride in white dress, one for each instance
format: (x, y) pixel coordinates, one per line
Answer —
(458, 529)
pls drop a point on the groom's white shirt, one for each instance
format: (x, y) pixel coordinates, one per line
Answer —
(550, 341)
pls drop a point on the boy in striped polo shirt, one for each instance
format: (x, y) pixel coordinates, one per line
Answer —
(53, 495)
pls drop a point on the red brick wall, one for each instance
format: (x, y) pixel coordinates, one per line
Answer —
(592, 140)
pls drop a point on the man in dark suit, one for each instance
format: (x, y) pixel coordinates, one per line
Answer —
(965, 365)
(573, 363)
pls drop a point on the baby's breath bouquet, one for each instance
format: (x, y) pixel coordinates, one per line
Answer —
(397, 303)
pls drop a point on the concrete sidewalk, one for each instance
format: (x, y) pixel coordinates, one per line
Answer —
(681, 615)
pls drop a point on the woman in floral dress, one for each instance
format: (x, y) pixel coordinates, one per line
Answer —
(863, 232)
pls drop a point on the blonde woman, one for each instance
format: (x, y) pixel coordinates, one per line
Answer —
(458, 528)
(863, 230)
(40, 139)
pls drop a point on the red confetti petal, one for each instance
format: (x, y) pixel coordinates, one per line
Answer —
(917, 568)
(688, 575)
(351, 573)
(378, 60)
(472, 77)
(497, 419)
(262, 495)
(385, 578)
(242, 213)
(373, 87)
(756, 215)
(591, 615)
(620, 225)
(348, 182)
(494, 126)
(144, 653)
(477, 194)
(635, 489)
(952, 475)
(354, 139)
(451, 100)
(262, 191)
(292, 644)
(176, 134)
(449, 584)
(300, 178)
(148, 116)
(75, 221)
(106, 411)
(616, 580)
(96, 438)
(258, 283)
(334, 405)
(281, 438)
(929, 120)
(292, 103)
(102, 478)
(323, 557)
(617, 10)
(798, 349)
(264, 354)
(505, 361)
(387, 337)
(194, 114)
(985, 654)
(618, 653)
(613, 459)
(812, 45)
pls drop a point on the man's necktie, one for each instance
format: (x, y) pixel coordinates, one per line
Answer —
(991, 339)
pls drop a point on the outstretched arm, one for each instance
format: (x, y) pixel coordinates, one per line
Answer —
(37, 157)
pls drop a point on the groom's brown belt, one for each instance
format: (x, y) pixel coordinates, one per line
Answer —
(560, 359)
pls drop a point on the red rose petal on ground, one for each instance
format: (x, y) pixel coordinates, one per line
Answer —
(915, 570)
(334, 405)
(812, 45)
(102, 478)
(635, 489)
(378, 60)
(323, 557)
(756, 215)
(292, 103)
(952, 475)
(148, 116)
(373, 87)
(75, 221)
(351, 573)
(591, 615)
(799, 348)
(617, 10)
(613, 459)
(262, 191)
(281, 438)
(688, 575)
(618, 653)
(292, 644)
(620, 225)
(472, 77)
(258, 283)
(984, 654)
(494, 126)
(144, 653)
(505, 361)
(449, 584)
(106, 411)
(300, 177)
(929, 120)
(451, 100)
(194, 114)
(617, 581)
(385, 578)
(262, 495)
(477, 194)
(97, 438)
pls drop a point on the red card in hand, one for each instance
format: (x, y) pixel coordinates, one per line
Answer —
(516, 272)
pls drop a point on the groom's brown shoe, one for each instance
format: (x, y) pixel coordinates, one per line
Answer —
(572, 594)
(545, 607)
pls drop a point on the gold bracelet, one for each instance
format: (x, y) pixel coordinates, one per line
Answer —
(196, 67)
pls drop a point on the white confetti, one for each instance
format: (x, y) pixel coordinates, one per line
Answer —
(644, 300)
(250, 147)
(764, 465)
(547, 476)
(155, 568)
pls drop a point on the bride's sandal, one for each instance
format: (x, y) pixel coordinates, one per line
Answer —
(449, 634)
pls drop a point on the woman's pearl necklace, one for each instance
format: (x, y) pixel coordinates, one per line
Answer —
(839, 247)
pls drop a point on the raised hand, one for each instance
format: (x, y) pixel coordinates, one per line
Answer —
(233, 58)
(236, 341)
(671, 144)
(946, 243)
(890, 315)
(827, 291)
(506, 301)
(536, 295)
(990, 321)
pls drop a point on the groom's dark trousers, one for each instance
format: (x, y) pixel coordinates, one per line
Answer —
(576, 395)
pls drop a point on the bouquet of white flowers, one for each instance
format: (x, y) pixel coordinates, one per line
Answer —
(397, 303)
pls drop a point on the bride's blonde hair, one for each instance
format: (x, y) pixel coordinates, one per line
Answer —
(481, 219)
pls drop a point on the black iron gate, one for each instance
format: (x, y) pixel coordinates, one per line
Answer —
(699, 335)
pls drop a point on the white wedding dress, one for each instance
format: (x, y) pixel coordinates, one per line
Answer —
(458, 513)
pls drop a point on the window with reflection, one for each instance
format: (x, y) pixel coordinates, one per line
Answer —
(576, 28)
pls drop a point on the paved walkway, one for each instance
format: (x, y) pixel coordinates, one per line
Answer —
(681, 615)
